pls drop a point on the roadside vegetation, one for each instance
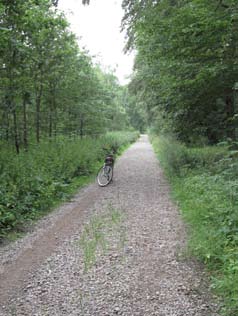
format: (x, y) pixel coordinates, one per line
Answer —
(204, 183)
(32, 182)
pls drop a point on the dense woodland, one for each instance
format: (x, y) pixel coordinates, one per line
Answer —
(186, 67)
(49, 86)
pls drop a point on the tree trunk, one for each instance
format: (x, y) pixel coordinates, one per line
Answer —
(25, 135)
(55, 123)
(230, 114)
(50, 124)
(52, 114)
(54, 107)
(15, 129)
(38, 108)
(6, 125)
(81, 127)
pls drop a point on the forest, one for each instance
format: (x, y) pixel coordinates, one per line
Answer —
(186, 68)
(59, 109)
(45, 76)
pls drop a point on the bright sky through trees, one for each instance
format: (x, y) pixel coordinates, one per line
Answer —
(98, 26)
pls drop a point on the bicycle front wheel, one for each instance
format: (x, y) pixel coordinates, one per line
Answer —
(104, 176)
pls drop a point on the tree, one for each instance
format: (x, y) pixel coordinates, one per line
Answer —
(186, 64)
(48, 85)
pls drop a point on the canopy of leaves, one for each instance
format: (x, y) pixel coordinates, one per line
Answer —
(49, 86)
(186, 65)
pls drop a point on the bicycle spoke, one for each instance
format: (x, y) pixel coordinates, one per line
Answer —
(105, 175)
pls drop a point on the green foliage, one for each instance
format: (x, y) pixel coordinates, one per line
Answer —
(204, 182)
(177, 158)
(49, 86)
(117, 140)
(209, 203)
(31, 181)
(186, 65)
(135, 111)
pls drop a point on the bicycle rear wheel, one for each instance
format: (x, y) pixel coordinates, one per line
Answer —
(104, 176)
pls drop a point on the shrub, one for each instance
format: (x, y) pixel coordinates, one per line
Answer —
(176, 158)
(32, 181)
(204, 182)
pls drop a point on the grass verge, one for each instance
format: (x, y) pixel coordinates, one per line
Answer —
(204, 183)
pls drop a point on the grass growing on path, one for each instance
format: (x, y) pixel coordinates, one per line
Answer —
(204, 183)
(97, 235)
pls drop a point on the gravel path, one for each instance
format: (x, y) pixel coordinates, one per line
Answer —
(117, 250)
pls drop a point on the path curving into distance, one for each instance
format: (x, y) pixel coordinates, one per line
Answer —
(117, 250)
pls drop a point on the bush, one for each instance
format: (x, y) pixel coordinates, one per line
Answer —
(204, 182)
(176, 158)
(32, 181)
(117, 140)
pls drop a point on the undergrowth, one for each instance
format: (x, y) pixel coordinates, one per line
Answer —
(30, 183)
(204, 183)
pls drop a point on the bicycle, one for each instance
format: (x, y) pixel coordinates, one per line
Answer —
(105, 173)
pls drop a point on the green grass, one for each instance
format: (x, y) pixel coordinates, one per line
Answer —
(204, 183)
(97, 233)
(34, 182)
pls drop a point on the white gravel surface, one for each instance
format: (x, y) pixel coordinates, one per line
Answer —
(122, 254)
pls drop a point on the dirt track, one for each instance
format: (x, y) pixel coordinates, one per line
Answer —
(136, 265)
